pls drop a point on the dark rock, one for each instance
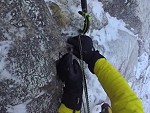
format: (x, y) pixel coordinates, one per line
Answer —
(126, 11)
(34, 42)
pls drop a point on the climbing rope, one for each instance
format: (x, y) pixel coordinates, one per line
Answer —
(87, 19)
(84, 78)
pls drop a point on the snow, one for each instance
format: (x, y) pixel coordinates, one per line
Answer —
(97, 7)
(40, 94)
(96, 93)
(142, 64)
(21, 108)
(126, 1)
(110, 31)
(4, 49)
(143, 87)
(42, 46)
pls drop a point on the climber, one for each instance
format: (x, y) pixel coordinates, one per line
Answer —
(122, 97)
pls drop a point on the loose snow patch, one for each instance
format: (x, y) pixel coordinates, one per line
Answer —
(4, 48)
(4, 73)
(110, 31)
(97, 8)
(21, 108)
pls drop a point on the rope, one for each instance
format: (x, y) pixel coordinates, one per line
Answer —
(84, 77)
(87, 20)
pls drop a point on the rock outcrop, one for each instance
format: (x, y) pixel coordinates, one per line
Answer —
(30, 42)
(33, 34)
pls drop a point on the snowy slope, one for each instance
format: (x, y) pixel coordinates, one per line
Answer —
(142, 83)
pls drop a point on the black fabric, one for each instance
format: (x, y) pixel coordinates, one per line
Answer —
(90, 56)
(91, 63)
(87, 46)
(69, 71)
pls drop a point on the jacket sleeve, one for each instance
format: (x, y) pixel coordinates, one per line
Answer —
(64, 109)
(122, 97)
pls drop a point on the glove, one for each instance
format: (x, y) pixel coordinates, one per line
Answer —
(70, 72)
(90, 56)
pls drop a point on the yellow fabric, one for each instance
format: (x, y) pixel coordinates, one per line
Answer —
(123, 99)
(64, 109)
(109, 110)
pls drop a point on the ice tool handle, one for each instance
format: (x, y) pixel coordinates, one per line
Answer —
(84, 5)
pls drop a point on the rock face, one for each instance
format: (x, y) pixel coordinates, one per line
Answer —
(32, 35)
(28, 39)
(126, 10)
(136, 14)
(143, 11)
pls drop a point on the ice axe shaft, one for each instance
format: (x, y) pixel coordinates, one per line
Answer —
(84, 5)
